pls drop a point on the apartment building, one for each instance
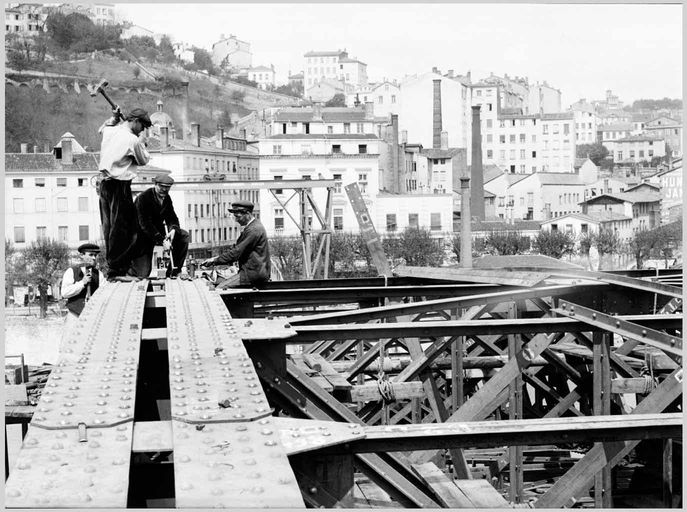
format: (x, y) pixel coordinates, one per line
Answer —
(25, 19)
(668, 129)
(231, 53)
(52, 195)
(385, 96)
(263, 76)
(203, 212)
(319, 143)
(543, 99)
(579, 224)
(333, 65)
(558, 141)
(606, 133)
(671, 193)
(585, 125)
(641, 206)
(636, 148)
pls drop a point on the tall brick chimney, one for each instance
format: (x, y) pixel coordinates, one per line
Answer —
(220, 137)
(444, 140)
(35, 148)
(395, 165)
(67, 153)
(436, 114)
(195, 134)
(404, 136)
(476, 171)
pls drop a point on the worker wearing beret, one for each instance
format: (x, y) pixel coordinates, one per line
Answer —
(251, 251)
(80, 282)
(158, 224)
(122, 150)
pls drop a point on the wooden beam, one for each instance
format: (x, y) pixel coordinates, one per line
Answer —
(448, 495)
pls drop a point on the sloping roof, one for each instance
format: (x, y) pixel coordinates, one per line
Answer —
(329, 115)
(637, 197)
(46, 162)
(554, 116)
(559, 178)
(634, 187)
(579, 216)
(615, 127)
(522, 260)
(490, 172)
(441, 153)
(347, 60)
(516, 178)
(324, 53)
(638, 138)
(608, 216)
(261, 68)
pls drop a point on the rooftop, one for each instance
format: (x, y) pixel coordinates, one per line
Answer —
(325, 136)
(329, 114)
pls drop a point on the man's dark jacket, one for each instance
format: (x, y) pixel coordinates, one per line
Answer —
(151, 215)
(252, 253)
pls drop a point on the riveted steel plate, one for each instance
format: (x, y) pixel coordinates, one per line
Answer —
(98, 394)
(198, 323)
(298, 435)
(109, 328)
(55, 470)
(232, 465)
(216, 389)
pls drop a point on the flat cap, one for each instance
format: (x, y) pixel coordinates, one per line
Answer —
(140, 114)
(88, 247)
(241, 206)
(163, 179)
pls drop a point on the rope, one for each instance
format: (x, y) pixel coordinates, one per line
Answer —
(647, 372)
(386, 389)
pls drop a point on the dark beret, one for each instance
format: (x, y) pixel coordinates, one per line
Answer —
(142, 115)
(88, 247)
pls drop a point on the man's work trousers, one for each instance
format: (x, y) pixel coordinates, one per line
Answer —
(120, 225)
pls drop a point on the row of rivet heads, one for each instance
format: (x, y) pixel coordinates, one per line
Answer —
(192, 331)
(216, 389)
(94, 311)
(97, 394)
(232, 466)
(296, 439)
(115, 332)
(54, 469)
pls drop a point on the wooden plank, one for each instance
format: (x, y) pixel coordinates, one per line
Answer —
(481, 494)
(580, 477)
(328, 372)
(401, 390)
(445, 490)
(473, 275)
(303, 435)
(15, 394)
(152, 436)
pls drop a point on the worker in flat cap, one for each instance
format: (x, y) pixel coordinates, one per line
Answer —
(122, 150)
(79, 282)
(158, 224)
(251, 251)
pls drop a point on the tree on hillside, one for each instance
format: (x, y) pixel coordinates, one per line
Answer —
(203, 60)
(607, 242)
(338, 100)
(45, 262)
(166, 50)
(597, 152)
(75, 32)
(554, 243)
(416, 246)
(294, 89)
(641, 244)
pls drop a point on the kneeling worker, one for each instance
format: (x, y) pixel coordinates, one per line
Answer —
(251, 251)
(154, 209)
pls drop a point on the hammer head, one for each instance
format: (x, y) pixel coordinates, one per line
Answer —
(100, 87)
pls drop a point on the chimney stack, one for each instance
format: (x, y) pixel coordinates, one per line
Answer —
(67, 154)
(243, 133)
(35, 148)
(444, 140)
(476, 174)
(369, 110)
(436, 115)
(404, 136)
(195, 134)
(395, 165)
(24, 147)
(450, 73)
(220, 137)
(317, 111)
(164, 136)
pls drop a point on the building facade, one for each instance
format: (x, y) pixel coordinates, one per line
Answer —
(636, 148)
(263, 76)
(385, 96)
(231, 53)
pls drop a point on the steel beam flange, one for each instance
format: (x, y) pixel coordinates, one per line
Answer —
(672, 345)
(216, 390)
(95, 394)
(233, 465)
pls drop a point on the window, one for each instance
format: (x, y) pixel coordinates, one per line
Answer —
(83, 204)
(632, 153)
(512, 139)
(522, 201)
(337, 187)
(522, 153)
(362, 148)
(207, 210)
(435, 221)
(276, 149)
(359, 128)
(490, 153)
(522, 138)
(306, 127)
(380, 99)
(83, 233)
(502, 154)
(490, 138)
(202, 235)
(62, 233)
(362, 182)
(336, 148)
(306, 177)
(393, 100)
(566, 129)
(555, 128)
(278, 190)
(41, 204)
(61, 204)
(330, 129)
(80, 182)
(502, 139)
(40, 182)
(479, 92)
(18, 205)
(534, 154)
(534, 139)
(545, 129)
(347, 127)
(338, 219)
(413, 220)
(489, 123)
(17, 183)
(641, 153)
(391, 222)
(19, 235)
(61, 182)
(512, 154)
(620, 155)
(41, 232)
(306, 149)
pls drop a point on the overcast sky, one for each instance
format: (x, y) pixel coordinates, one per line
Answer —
(635, 49)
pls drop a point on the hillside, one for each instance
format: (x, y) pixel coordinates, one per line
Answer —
(40, 107)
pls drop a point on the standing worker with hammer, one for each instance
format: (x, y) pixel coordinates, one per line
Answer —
(159, 225)
(122, 150)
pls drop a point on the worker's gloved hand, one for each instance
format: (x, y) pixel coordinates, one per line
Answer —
(208, 262)
(117, 114)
